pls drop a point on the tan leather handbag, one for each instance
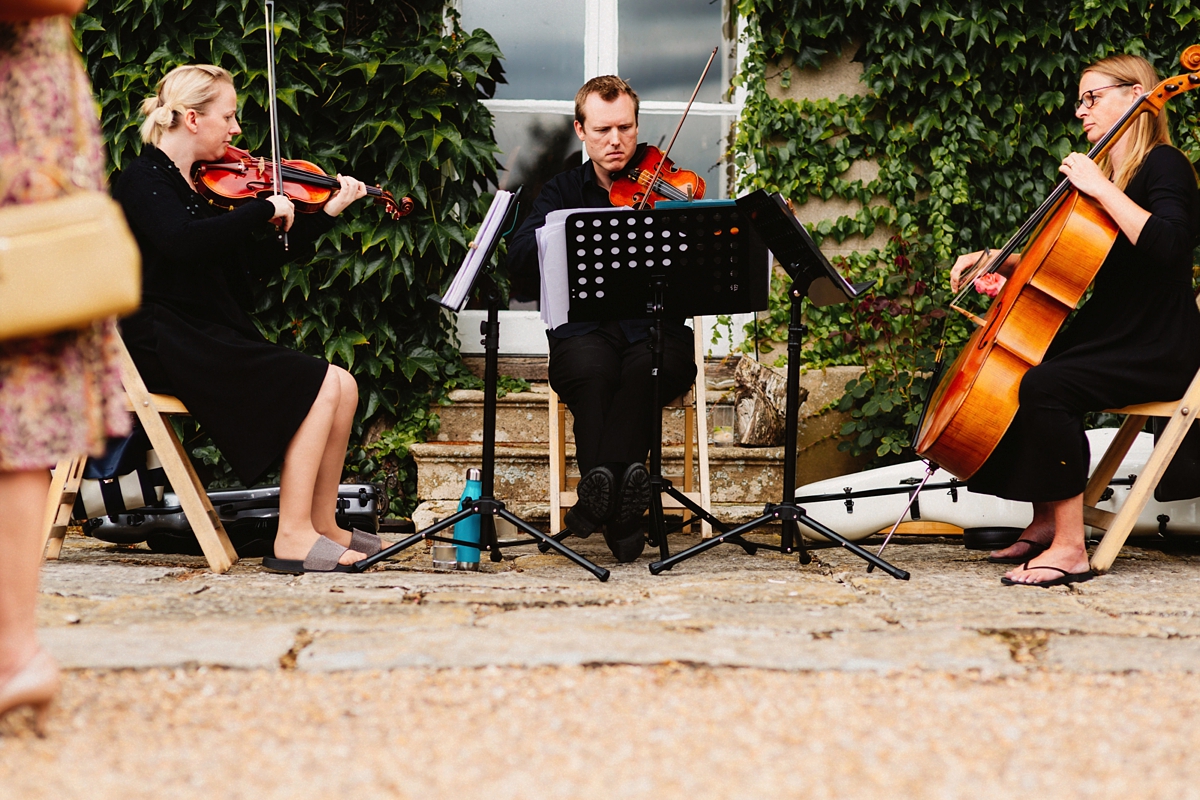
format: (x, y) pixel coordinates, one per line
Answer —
(65, 263)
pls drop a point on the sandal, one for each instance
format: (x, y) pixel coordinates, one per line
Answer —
(366, 543)
(1062, 580)
(322, 557)
(1035, 550)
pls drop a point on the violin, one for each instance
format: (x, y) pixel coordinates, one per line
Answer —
(241, 176)
(649, 177)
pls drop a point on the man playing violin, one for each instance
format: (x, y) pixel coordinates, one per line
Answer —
(1136, 340)
(601, 370)
(258, 400)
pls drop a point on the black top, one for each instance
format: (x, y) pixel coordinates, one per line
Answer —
(191, 337)
(575, 188)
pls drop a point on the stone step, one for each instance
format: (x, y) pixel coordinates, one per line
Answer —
(521, 417)
(741, 475)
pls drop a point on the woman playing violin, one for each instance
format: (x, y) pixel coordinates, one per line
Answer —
(1136, 340)
(259, 401)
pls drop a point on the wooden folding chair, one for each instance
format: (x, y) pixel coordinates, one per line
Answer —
(1118, 526)
(695, 426)
(152, 410)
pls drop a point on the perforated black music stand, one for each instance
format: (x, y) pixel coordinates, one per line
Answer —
(487, 506)
(813, 277)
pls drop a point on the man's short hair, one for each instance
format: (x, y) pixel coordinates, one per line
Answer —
(609, 87)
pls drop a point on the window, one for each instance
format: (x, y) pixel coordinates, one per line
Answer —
(551, 47)
(660, 46)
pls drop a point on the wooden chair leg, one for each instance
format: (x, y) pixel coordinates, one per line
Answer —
(557, 463)
(60, 499)
(1110, 462)
(210, 533)
(1143, 487)
(701, 423)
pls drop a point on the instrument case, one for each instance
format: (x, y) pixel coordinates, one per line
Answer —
(250, 517)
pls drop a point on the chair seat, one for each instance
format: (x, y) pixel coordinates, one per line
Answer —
(1147, 409)
(162, 403)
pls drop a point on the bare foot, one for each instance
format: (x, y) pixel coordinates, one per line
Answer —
(1072, 560)
(1038, 531)
(294, 546)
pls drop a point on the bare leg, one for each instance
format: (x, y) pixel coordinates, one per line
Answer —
(301, 463)
(1040, 530)
(329, 475)
(22, 502)
(1068, 550)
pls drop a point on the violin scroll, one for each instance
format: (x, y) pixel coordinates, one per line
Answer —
(395, 209)
(1190, 60)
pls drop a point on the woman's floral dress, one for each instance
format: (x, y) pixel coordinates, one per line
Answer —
(60, 395)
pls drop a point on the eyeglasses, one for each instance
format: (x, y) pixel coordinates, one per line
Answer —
(1088, 98)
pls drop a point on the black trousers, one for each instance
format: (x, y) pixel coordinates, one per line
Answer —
(605, 380)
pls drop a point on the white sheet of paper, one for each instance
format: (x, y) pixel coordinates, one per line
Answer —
(552, 258)
(464, 279)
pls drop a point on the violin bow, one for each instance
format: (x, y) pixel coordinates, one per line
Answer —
(273, 109)
(663, 162)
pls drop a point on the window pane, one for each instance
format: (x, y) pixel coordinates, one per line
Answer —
(664, 45)
(699, 148)
(534, 148)
(543, 52)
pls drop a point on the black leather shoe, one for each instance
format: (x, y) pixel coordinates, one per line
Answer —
(626, 541)
(633, 495)
(596, 492)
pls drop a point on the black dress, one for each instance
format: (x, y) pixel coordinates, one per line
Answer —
(1136, 340)
(191, 338)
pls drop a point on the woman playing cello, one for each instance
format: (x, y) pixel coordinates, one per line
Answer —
(1136, 340)
(259, 401)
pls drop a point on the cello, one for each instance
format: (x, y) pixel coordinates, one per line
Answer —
(1068, 239)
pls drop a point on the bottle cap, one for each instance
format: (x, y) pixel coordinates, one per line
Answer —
(474, 474)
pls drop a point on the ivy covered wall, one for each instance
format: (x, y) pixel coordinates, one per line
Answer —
(965, 112)
(371, 88)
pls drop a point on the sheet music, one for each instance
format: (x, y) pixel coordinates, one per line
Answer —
(456, 296)
(552, 259)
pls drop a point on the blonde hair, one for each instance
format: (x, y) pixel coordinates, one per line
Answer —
(1148, 131)
(193, 86)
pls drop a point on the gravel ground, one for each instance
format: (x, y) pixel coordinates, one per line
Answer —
(611, 732)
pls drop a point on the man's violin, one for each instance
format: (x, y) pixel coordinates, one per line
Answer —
(638, 182)
(241, 176)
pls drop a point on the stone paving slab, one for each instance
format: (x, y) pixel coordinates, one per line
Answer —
(111, 607)
(579, 643)
(1093, 654)
(236, 645)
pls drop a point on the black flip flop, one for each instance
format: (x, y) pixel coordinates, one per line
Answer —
(1035, 550)
(322, 557)
(1062, 580)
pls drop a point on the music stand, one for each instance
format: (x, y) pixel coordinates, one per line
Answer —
(690, 260)
(813, 277)
(496, 224)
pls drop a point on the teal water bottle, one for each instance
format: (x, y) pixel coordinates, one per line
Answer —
(468, 529)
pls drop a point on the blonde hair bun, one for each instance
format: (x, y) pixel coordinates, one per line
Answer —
(191, 86)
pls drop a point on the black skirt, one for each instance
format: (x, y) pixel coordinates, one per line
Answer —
(248, 394)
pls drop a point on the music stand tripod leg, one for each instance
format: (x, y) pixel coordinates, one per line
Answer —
(787, 513)
(487, 506)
